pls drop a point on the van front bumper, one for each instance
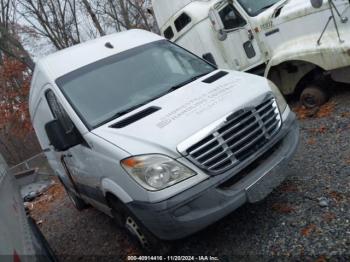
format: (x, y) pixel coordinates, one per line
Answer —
(216, 197)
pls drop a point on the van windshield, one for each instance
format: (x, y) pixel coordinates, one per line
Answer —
(254, 7)
(107, 89)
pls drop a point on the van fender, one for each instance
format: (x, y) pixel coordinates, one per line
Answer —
(109, 186)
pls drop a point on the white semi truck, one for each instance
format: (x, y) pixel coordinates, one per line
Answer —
(298, 44)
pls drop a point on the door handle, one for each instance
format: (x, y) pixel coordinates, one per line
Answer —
(250, 35)
(69, 155)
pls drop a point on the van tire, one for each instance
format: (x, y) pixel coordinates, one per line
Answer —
(313, 96)
(138, 233)
(77, 202)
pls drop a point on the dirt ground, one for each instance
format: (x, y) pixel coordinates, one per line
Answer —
(307, 218)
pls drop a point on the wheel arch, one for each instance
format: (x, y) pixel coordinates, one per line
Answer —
(112, 189)
(289, 75)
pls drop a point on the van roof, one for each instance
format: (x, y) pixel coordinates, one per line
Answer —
(75, 57)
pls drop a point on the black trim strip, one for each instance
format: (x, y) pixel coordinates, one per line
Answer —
(215, 77)
(272, 32)
(258, 70)
(136, 117)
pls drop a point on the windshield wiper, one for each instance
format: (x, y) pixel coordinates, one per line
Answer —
(128, 110)
(178, 86)
(172, 89)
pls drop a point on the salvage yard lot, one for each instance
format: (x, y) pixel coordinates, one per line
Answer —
(307, 217)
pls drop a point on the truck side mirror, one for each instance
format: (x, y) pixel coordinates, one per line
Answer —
(61, 139)
(316, 3)
(215, 20)
(222, 35)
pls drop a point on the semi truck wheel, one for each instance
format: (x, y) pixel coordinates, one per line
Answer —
(138, 233)
(313, 96)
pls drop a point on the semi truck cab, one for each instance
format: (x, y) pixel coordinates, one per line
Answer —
(298, 44)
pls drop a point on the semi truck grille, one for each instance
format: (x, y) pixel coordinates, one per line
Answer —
(242, 134)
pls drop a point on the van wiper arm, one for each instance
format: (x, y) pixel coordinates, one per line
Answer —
(178, 86)
(130, 109)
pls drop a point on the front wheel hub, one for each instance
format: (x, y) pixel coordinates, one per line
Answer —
(310, 101)
(135, 230)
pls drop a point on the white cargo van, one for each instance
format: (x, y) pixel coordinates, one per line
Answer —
(156, 137)
(20, 238)
(298, 44)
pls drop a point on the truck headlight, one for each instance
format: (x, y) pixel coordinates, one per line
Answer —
(282, 104)
(156, 172)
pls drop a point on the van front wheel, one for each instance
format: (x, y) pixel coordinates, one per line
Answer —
(138, 233)
(78, 203)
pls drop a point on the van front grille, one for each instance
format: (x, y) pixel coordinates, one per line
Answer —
(242, 134)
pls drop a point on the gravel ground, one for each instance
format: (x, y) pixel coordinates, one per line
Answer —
(307, 218)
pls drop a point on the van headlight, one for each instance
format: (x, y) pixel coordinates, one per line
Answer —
(281, 101)
(156, 172)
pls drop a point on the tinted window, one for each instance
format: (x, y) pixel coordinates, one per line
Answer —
(101, 91)
(231, 18)
(58, 111)
(182, 21)
(168, 33)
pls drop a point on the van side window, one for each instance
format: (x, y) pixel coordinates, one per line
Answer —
(58, 111)
(168, 33)
(231, 19)
(182, 21)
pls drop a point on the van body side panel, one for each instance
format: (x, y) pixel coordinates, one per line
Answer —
(41, 117)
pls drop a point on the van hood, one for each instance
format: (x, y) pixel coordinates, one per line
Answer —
(183, 113)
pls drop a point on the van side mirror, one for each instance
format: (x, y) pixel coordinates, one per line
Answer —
(61, 139)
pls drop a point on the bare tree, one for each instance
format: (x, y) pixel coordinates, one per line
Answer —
(55, 19)
(93, 16)
(10, 44)
(128, 14)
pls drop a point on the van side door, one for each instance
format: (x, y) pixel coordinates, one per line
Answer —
(238, 42)
(64, 158)
(80, 162)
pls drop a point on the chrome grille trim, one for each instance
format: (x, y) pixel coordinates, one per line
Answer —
(236, 137)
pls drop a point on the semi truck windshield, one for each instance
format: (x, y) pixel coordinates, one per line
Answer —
(253, 7)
